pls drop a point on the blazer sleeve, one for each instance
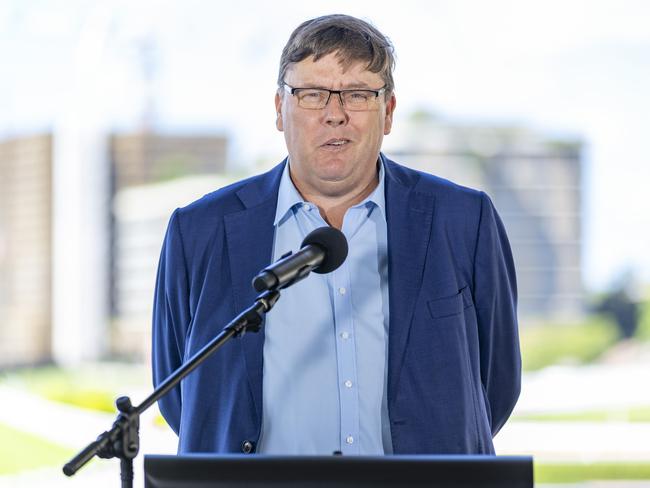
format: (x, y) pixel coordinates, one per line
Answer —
(495, 297)
(171, 319)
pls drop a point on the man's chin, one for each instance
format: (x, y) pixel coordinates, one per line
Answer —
(332, 168)
(333, 174)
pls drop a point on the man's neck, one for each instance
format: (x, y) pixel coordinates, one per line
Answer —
(333, 208)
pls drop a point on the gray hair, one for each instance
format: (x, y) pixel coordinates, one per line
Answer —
(352, 40)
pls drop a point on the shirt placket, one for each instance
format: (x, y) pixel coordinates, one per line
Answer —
(345, 359)
(346, 351)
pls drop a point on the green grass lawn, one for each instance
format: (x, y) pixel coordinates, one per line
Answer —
(20, 451)
(632, 414)
(577, 343)
(94, 388)
(580, 472)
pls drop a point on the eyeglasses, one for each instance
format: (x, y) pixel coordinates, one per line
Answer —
(318, 98)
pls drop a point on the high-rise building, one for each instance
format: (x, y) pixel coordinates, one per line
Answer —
(25, 250)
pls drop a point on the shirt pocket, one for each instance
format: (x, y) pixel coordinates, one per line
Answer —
(450, 305)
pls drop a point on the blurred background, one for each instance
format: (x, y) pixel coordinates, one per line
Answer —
(113, 113)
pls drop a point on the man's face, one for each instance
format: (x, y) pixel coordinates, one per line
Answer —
(333, 151)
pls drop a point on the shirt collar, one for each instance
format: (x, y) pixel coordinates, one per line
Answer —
(378, 196)
(288, 196)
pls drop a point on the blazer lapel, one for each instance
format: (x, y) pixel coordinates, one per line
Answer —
(249, 234)
(409, 216)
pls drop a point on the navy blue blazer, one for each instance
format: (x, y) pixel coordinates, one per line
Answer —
(453, 360)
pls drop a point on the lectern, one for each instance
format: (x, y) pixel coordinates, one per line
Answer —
(259, 471)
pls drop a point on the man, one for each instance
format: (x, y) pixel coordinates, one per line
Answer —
(410, 346)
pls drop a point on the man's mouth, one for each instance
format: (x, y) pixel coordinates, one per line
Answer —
(336, 142)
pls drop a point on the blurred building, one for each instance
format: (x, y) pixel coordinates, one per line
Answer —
(141, 215)
(27, 300)
(146, 157)
(152, 175)
(25, 250)
(535, 184)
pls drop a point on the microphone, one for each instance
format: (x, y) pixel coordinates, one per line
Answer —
(322, 251)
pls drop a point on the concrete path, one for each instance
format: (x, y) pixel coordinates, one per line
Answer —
(579, 389)
(592, 387)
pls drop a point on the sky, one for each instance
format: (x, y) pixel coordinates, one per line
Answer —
(568, 68)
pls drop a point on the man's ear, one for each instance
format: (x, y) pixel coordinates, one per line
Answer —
(278, 111)
(390, 108)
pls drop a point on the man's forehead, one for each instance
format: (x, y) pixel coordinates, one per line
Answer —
(331, 69)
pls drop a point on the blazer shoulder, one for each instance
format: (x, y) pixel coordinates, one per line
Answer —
(201, 223)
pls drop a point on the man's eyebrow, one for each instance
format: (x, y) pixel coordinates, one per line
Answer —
(349, 86)
(358, 86)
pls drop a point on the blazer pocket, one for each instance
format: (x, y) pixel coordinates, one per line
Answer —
(451, 305)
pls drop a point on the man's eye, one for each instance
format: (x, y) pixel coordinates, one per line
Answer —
(311, 95)
(359, 96)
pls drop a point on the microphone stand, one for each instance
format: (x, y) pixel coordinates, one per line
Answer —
(122, 440)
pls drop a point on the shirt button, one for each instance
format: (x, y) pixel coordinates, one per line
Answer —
(342, 291)
(307, 207)
(247, 447)
(348, 383)
(349, 439)
(345, 335)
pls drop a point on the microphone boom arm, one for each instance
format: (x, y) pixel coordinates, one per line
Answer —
(122, 440)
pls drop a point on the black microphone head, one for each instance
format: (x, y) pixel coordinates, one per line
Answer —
(333, 243)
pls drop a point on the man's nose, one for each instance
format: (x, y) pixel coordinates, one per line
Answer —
(335, 114)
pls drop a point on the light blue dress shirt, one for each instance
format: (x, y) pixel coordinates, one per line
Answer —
(326, 340)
